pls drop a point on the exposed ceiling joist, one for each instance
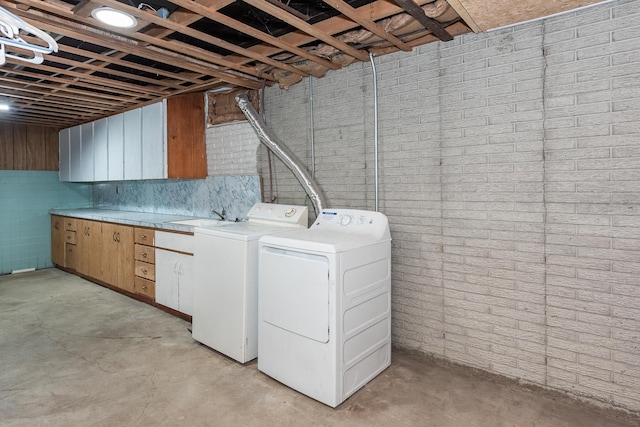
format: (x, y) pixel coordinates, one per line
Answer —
(202, 44)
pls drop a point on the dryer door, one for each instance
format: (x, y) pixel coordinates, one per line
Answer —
(294, 292)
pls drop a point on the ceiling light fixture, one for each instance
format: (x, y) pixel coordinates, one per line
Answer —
(4, 107)
(114, 17)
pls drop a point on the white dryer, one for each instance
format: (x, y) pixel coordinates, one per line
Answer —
(225, 303)
(325, 304)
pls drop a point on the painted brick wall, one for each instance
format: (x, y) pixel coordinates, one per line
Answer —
(509, 168)
(493, 212)
(231, 149)
(592, 147)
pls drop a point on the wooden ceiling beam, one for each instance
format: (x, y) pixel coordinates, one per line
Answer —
(253, 32)
(307, 28)
(429, 23)
(98, 91)
(102, 38)
(337, 24)
(455, 29)
(86, 65)
(200, 53)
(180, 78)
(79, 97)
(367, 23)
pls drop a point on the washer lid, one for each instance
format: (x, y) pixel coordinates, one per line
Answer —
(244, 230)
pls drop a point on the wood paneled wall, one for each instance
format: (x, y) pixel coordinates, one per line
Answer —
(27, 147)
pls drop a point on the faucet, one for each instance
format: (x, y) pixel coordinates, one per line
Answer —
(220, 214)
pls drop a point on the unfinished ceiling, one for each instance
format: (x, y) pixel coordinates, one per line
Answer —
(183, 46)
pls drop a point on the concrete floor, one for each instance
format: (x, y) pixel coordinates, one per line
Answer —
(73, 353)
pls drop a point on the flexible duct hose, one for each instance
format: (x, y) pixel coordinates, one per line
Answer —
(283, 152)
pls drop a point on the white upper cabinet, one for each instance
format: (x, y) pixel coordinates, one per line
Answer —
(127, 146)
(85, 171)
(75, 153)
(154, 155)
(100, 150)
(115, 147)
(133, 144)
(63, 146)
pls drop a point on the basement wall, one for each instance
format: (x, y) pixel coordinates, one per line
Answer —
(509, 170)
(25, 224)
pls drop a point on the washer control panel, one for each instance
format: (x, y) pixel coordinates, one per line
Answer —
(271, 212)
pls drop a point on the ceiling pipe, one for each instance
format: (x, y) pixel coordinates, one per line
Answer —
(374, 72)
(273, 143)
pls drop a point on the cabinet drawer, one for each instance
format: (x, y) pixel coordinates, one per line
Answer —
(144, 236)
(144, 287)
(70, 224)
(70, 256)
(145, 253)
(145, 270)
(70, 237)
(175, 241)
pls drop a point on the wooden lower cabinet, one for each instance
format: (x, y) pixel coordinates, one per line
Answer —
(89, 248)
(97, 250)
(145, 262)
(117, 256)
(57, 241)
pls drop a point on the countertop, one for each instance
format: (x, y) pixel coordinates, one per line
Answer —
(141, 219)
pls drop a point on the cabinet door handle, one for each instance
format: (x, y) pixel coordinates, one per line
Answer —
(55, 225)
(114, 236)
(118, 237)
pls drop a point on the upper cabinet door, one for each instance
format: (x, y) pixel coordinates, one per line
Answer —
(85, 173)
(63, 154)
(132, 145)
(100, 150)
(115, 136)
(154, 154)
(75, 153)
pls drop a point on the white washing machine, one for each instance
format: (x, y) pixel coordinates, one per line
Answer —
(225, 303)
(325, 304)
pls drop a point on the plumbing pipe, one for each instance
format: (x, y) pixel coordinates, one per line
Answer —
(375, 126)
(312, 126)
(273, 143)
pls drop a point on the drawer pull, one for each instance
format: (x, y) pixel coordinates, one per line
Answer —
(68, 237)
(144, 288)
(144, 254)
(144, 271)
(144, 237)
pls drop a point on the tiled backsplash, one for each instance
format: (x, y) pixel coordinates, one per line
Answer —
(25, 227)
(198, 197)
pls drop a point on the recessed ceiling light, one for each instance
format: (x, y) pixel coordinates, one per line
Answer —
(114, 17)
(4, 107)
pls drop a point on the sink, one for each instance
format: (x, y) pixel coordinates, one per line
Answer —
(200, 222)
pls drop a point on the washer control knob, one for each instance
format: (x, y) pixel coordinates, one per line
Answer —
(345, 220)
(290, 212)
